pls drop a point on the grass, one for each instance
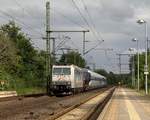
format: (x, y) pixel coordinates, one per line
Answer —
(143, 92)
(30, 90)
(20, 85)
(23, 88)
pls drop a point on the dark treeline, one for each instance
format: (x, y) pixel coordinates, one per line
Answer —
(141, 69)
(72, 57)
(115, 79)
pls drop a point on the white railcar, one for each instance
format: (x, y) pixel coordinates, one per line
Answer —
(67, 78)
(97, 80)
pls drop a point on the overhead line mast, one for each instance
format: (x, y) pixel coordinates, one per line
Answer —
(83, 31)
(48, 48)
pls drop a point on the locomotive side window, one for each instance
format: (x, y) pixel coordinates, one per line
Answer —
(61, 71)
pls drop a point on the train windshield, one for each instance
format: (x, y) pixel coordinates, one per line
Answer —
(61, 71)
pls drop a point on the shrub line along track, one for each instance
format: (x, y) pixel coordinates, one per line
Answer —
(92, 113)
(24, 96)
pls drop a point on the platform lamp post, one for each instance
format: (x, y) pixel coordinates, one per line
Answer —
(141, 21)
(138, 81)
(133, 67)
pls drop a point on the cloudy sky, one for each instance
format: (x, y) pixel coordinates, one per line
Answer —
(113, 21)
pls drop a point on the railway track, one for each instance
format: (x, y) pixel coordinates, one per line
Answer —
(28, 108)
(88, 109)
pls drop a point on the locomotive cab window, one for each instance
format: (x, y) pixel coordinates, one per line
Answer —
(61, 71)
(66, 71)
(57, 71)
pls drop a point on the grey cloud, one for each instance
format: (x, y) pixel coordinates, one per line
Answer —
(118, 10)
(114, 19)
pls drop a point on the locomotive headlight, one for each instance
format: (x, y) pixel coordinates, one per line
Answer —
(68, 83)
(54, 83)
(68, 87)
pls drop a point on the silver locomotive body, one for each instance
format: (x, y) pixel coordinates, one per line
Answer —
(73, 79)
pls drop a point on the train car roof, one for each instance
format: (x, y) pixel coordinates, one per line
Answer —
(57, 66)
(63, 65)
(96, 74)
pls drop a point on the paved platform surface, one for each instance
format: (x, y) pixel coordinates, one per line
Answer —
(126, 104)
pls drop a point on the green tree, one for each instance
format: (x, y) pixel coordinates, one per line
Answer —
(141, 70)
(102, 72)
(28, 55)
(28, 64)
(72, 58)
(112, 78)
(8, 53)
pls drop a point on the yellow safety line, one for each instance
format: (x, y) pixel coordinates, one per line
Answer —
(131, 110)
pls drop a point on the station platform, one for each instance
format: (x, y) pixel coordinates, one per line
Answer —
(126, 104)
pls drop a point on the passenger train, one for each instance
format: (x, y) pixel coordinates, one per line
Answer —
(73, 79)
